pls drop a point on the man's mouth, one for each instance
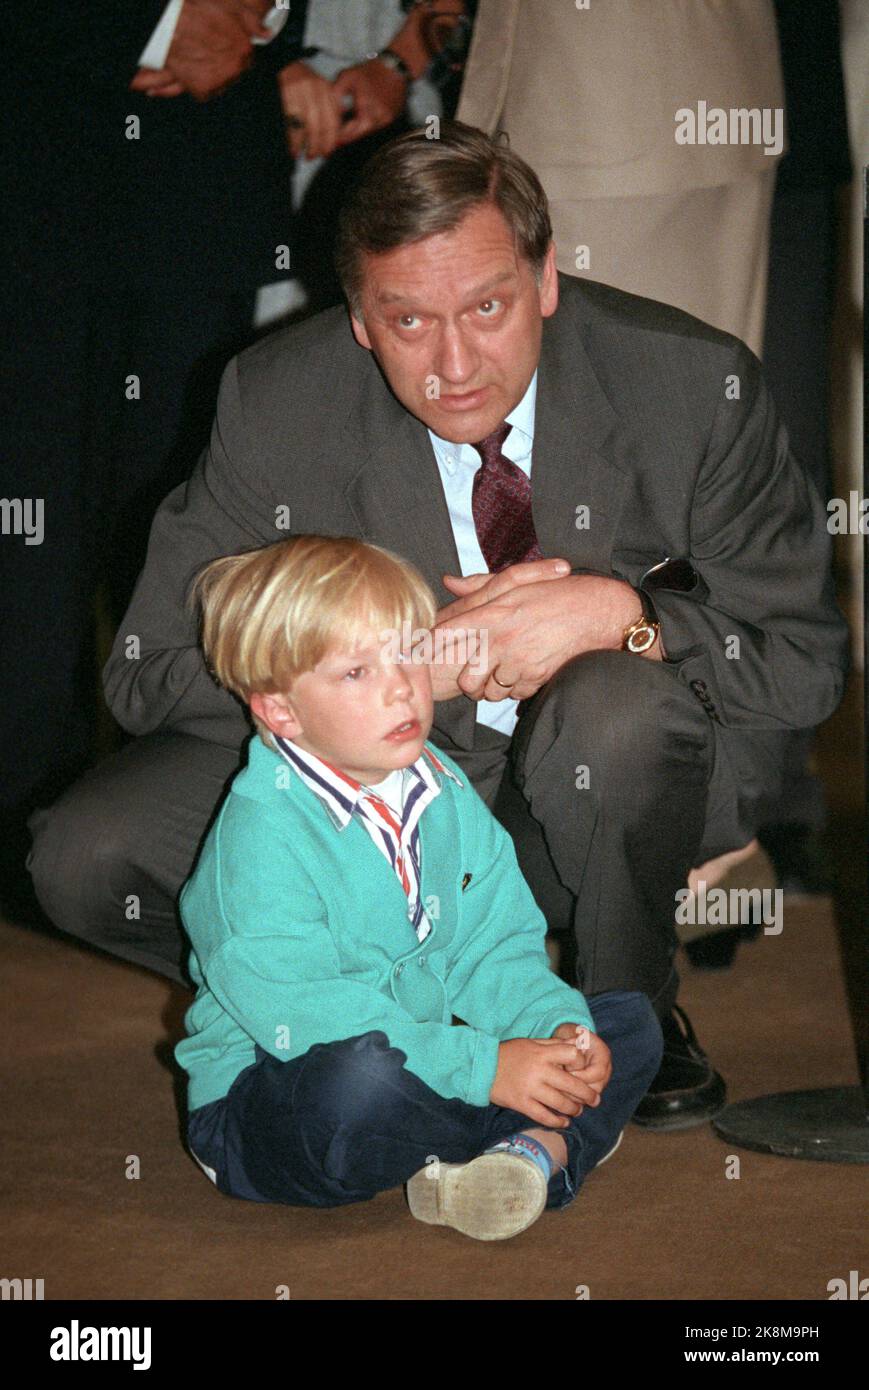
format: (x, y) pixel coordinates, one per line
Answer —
(467, 400)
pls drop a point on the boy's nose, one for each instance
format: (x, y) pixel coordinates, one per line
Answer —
(398, 684)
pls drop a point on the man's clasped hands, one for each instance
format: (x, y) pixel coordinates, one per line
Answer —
(536, 616)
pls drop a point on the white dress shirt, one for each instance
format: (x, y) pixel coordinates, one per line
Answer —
(458, 465)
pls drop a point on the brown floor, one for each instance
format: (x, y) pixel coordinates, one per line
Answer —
(85, 1086)
(88, 1084)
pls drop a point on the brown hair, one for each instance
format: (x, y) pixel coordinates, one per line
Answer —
(417, 186)
(270, 614)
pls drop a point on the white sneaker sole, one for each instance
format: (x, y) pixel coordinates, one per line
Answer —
(493, 1197)
(612, 1150)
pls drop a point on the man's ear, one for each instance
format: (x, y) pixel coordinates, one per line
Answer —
(277, 714)
(359, 332)
(549, 284)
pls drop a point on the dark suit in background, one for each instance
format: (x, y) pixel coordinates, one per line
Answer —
(799, 311)
(122, 257)
(638, 420)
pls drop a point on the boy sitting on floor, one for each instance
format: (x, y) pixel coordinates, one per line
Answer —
(354, 894)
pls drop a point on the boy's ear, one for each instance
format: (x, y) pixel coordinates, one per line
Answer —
(277, 714)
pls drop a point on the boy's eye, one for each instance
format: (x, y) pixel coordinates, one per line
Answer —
(354, 673)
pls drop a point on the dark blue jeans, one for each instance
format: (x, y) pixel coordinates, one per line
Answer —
(348, 1120)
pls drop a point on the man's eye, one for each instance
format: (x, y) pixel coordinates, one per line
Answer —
(492, 305)
(403, 320)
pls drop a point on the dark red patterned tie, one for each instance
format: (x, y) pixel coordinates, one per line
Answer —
(501, 504)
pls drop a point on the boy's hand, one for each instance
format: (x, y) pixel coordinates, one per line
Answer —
(595, 1060)
(533, 1078)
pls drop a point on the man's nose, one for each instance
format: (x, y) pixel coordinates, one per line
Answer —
(456, 358)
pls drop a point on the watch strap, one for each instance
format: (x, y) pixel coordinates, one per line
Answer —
(391, 59)
(650, 612)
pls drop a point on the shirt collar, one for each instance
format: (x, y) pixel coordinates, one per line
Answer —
(339, 793)
(517, 446)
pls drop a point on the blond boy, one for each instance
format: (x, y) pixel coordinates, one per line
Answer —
(375, 1005)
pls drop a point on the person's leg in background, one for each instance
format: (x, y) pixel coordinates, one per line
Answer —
(705, 250)
(149, 274)
(796, 365)
(110, 856)
(53, 250)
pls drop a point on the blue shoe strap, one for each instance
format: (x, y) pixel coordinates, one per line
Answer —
(527, 1148)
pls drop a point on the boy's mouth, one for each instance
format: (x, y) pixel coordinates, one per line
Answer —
(409, 729)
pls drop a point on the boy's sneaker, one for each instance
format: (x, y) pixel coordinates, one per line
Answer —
(611, 1151)
(495, 1196)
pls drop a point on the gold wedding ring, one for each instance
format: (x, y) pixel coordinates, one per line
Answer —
(501, 683)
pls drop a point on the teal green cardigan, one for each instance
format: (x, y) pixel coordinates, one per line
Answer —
(300, 935)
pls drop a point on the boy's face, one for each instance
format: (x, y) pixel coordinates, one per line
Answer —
(358, 709)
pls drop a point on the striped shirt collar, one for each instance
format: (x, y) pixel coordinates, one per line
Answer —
(339, 792)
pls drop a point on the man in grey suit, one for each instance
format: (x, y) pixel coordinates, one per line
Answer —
(628, 720)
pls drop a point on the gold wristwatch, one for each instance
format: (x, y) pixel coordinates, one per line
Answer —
(643, 632)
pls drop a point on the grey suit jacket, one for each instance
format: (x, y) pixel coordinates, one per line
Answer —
(638, 420)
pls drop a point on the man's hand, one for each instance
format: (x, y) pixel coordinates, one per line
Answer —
(316, 103)
(378, 94)
(533, 1078)
(594, 1060)
(534, 628)
(445, 677)
(211, 47)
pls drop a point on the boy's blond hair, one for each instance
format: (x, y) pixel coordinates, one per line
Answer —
(270, 614)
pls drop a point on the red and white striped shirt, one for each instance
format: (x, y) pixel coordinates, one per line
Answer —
(395, 831)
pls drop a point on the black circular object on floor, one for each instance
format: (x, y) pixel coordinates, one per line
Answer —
(829, 1125)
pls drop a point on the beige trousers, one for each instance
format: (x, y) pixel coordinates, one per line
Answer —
(705, 250)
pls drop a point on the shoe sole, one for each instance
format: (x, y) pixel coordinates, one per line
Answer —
(681, 1120)
(612, 1150)
(493, 1197)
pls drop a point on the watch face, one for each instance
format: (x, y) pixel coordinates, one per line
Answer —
(642, 638)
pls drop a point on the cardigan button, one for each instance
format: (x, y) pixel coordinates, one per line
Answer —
(421, 960)
(399, 968)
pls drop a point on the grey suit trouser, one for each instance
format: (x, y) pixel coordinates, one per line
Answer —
(615, 783)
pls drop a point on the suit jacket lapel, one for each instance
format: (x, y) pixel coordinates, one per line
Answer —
(396, 494)
(575, 460)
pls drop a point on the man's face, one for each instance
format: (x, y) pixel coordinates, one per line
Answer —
(455, 322)
(358, 709)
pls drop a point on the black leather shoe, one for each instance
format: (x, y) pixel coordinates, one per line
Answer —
(801, 858)
(687, 1091)
(716, 950)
